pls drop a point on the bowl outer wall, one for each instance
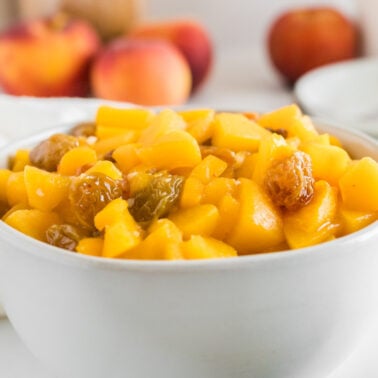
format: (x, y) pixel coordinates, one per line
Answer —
(290, 314)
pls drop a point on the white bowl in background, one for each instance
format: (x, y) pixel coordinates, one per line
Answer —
(344, 92)
(290, 314)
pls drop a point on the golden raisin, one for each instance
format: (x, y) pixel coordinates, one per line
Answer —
(289, 181)
(84, 129)
(64, 236)
(47, 154)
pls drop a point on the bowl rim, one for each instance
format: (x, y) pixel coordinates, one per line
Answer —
(31, 246)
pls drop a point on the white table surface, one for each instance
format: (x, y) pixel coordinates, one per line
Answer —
(250, 85)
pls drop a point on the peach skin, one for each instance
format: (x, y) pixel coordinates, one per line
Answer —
(145, 72)
(47, 57)
(190, 37)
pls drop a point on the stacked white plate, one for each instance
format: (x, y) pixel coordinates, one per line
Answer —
(345, 93)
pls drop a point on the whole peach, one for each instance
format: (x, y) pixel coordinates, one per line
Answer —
(145, 72)
(47, 57)
(190, 37)
(305, 38)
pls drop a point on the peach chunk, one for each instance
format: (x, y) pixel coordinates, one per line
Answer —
(128, 119)
(4, 176)
(114, 212)
(273, 147)
(352, 220)
(328, 162)
(314, 223)
(111, 121)
(199, 123)
(200, 247)
(72, 161)
(20, 160)
(229, 208)
(45, 190)
(121, 231)
(191, 193)
(16, 189)
(197, 220)
(126, 156)
(258, 226)
(359, 185)
(237, 132)
(119, 238)
(107, 168)
(164, 122)
(90, 246)
(217, 188)
(175, 149)
(32, 222)
(291, 119)
(162, 243)
(209, 168)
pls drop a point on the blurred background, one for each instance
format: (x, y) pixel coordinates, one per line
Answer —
(241, 73)
(233, 24)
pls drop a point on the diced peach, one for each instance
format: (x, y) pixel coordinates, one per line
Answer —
(197, 220)
(19, 206)
(199, 247)
(235, 131)
(258, 227)
(45, 190)
(107, 168)
(16, 189)
(271, 148)
(118, 239)
(217, 188)
(352, 221)
(290, 118)
(90, 246)
(209, 168)
(126, 156)
(116, 211)
(359, 185)
(192, 192)
(199, 123)
(303, 128)
(164, 122)
(4, 176)
(32, 222)
(247, 167)
(74, 159)
(20, 160)
(172, 150)
(104, 132)
(106, 145)
(162, 243)
(328, 162)
(228, 207)
(315, 222)
(280, 118)
(127, 119)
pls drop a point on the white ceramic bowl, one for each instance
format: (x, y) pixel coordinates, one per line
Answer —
(290, 314)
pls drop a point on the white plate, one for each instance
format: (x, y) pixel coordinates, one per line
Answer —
(346, 93)
(17, 362)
